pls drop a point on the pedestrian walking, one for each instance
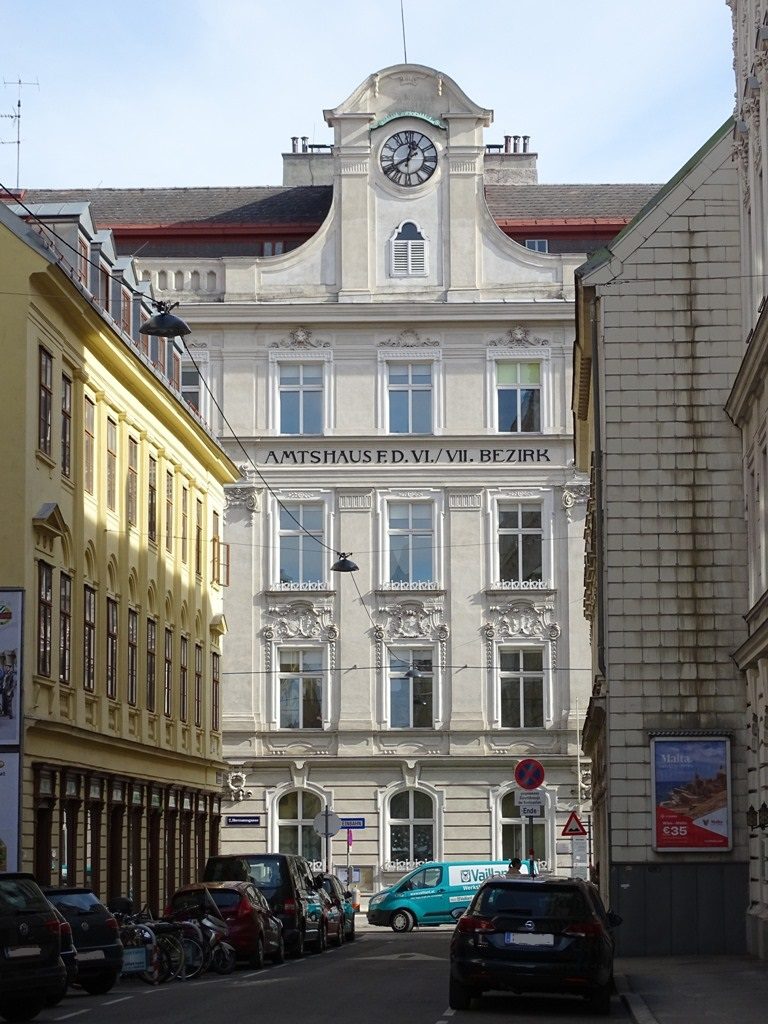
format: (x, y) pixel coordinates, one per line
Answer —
(514, 867)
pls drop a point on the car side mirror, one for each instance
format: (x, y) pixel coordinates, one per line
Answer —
(614, 920)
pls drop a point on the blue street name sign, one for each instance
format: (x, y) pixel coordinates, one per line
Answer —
(242, 819)
(353, 822)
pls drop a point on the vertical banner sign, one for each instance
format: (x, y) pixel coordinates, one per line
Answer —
(11, 603)
(691, 778)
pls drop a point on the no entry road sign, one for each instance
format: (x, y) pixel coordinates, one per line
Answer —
(529, 773)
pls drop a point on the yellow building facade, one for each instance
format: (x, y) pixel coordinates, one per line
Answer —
(110, 554)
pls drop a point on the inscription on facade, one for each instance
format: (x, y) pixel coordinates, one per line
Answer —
(397, 456)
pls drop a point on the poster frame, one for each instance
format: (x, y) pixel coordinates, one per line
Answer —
(658, 744)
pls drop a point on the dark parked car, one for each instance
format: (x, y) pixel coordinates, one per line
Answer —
(342, 900)
(286, 881)
(68, 955)
(31, 969)
(253, 930)
(534, 935)
(96, 936)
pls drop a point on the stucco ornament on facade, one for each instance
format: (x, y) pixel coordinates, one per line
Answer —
(573, 495)
(241, 497)
(412, 620)
(236, 786)
(300, 338)
(518, 336)
(520, 619)
(409, 339)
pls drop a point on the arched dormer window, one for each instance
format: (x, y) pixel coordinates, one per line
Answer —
(409, 251)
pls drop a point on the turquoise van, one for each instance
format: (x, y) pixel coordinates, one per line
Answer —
(429, 893)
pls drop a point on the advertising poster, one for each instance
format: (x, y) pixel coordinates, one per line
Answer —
(11, 604)
(692, 793)
(9, 811)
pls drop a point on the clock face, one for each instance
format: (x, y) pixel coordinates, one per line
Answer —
(408, 158)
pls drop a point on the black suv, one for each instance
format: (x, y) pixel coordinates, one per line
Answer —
(534, 935)
(286, 881)
(31, 970)
(96, 936)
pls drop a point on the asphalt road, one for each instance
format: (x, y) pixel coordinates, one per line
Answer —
(381, 978)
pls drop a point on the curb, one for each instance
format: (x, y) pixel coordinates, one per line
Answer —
(635, 1004)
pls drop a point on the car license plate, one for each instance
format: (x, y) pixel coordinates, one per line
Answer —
(527, 939)
(92, 954)
(19, 951)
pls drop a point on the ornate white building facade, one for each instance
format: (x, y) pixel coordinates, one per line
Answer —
(401, 385)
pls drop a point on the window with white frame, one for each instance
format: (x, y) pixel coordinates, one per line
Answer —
(411, 540)
(193, 377)
(300, 387)
(296, 811)
(409, 390)
(300, 542)
(537, 244)
(518, 397)
(411, 689)
(301, 688)
(408, 251)
(521, 834)
(520, 542)
(521, 687)
(411, 826)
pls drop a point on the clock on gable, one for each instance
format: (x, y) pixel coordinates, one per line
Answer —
(408, 158)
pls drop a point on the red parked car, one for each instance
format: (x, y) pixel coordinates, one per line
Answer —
(254, 931)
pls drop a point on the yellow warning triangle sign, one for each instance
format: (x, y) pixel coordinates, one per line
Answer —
(574, 826)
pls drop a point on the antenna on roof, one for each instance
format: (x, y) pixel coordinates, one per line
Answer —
(16, 116)
(402, 19)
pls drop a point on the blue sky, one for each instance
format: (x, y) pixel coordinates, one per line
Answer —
(189, 92)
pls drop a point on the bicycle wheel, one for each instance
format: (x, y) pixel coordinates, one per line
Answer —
(223, 959)
(194, 958)
(173, 948)
(160, 969)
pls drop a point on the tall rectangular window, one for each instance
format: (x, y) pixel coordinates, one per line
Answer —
(89, 638)
(44, 617)
(152, 500)
(518, 397)
(125, 311)
(190, 386)
(168, 674)
(104, 286)
(169, 511)
(198, 685)
(66, 425)
(215, 690)
(89, 443)
(65, 628)
(132, 482)
(521, 681)
(132, 694)
(301, 543)
(184, 679)
(301, 398)
(151, 662)
(520, 543)
(184, 523)
(83, 261)
(112, 637)
(199, 538)
(111, 464)
(301, 689)
(411, 542)
(45, 403)
(410, 398)
(410, 689)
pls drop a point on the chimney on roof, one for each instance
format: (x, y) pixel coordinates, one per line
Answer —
(294, 143)
(526, 140)
(304, 143)
(517, 144)
(507, 143)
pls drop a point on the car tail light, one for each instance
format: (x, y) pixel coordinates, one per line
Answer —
(471, 923)
(66, 928)
(243, 907)
(54, 925)
(112, 924)
(585, 929)
(289, 906)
